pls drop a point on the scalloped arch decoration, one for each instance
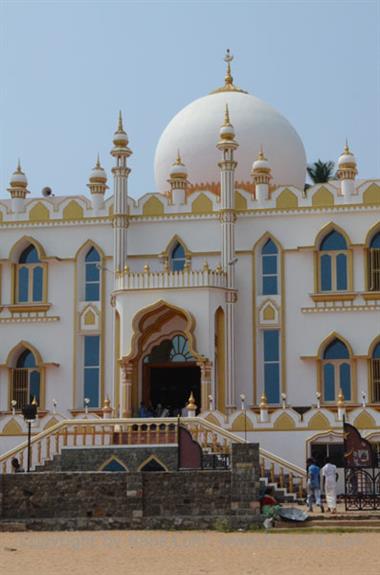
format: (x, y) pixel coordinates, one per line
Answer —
(73, 211)
(201, 205)
(364, 421)
(12, 428)
(319, 422)
(284, 423)
(287, 200)
(153, 207)
(322, 198)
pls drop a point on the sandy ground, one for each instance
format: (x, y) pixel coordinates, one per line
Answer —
(189, 553)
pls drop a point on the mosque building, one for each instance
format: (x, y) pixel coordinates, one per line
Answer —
(230, 282)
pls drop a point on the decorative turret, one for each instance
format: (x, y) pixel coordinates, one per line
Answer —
(178, 181)
(347, 170)
(227, 132)
(121, 153)
(227, 145)
(97, 183)
(261, 175)
(18, 189)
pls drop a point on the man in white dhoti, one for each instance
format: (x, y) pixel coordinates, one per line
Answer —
(330, 476)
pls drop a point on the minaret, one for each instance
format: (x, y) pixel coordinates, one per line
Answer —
(347, 170)
(227, 145)
(261, 175)
(18, 190)
(178, 181)
(121, 153)
(97, 184)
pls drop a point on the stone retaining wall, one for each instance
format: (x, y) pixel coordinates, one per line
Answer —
(183, 499)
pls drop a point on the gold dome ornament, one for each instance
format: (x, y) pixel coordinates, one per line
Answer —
(178, 169)
(263, 401)
(228, 80)
(18, 183)
(340, 402)
(191, 405)
(120, 140)
(97, 182)
(347, 167)
(227, 131)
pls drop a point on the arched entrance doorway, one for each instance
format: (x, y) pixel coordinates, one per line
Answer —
(170, 375)
(163, 365)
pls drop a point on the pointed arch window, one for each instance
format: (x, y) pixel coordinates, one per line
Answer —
(92, 275)
(26, 380)
(374, 263)
(269, 267)
(91, 369)
(333, 263)
(177, 258)
(336, 371)
(30, 271)
(271, 362)
(375, 373)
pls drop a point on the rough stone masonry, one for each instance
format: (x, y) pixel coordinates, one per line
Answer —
(196, 499)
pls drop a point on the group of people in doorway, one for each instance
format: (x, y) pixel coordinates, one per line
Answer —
(159, 410)
(321, 480)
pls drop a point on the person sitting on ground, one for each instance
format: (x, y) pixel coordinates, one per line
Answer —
(269, 504)
(16, 466)
(313, 485)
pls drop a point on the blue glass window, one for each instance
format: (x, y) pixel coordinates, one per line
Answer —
(34, 386)
(336, 350)
(269, 260)
(333, 265)
(23, 285)
(375, 242)
(376, 352)
(92, 275)
(336, 371)
(92, 369)
(329, 382)
(26, 380)
(29, 256)
(30, 277)
(38, 275)
(326, 272)
(272, 365)
(334, 241)
(345, 380)
(178, 258)
(341, 272)
(26, 359)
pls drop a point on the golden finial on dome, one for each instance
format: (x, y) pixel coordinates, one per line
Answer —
(98, 165)
(18, 169)
(228, 80)
(227, 117)
(261, 155)
(178, 161)
(120, 123)
(228, 59)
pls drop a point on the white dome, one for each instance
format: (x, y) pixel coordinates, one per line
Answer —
(195, 131)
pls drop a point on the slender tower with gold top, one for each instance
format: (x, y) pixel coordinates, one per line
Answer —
(120, 171)
(227, 145)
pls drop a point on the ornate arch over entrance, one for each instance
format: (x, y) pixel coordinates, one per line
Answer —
(163, 357)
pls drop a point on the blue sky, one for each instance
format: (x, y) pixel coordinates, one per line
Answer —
(68, 67)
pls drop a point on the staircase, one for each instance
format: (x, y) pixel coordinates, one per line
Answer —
(287, 480)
